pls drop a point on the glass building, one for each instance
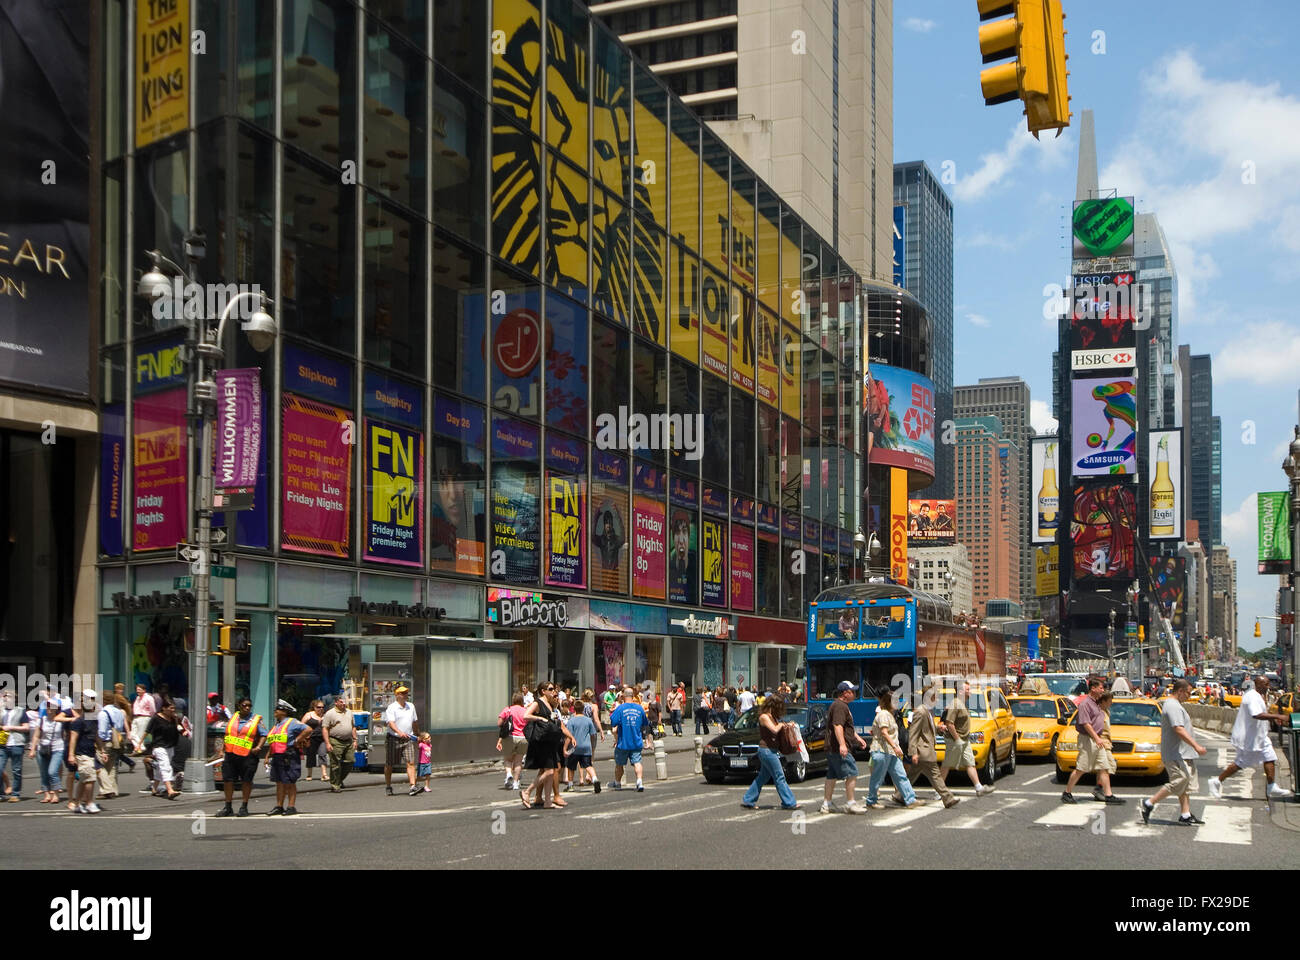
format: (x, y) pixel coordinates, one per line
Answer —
(511, 273)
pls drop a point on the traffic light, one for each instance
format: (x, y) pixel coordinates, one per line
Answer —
(232, 640)
(1034, 36)
(1142, 633)
(1257, 628)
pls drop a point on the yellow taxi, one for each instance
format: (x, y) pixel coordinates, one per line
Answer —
(1286, 703)
(1232, 699)
(992, 730)
(1036, 723)
(1134, 735)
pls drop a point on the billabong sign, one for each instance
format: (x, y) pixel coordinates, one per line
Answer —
(530, 612)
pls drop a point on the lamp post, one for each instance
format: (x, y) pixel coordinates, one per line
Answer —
(207, 357)
(1291, 467)
(859, 553)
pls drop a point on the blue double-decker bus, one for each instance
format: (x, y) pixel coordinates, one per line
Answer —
(881, 634)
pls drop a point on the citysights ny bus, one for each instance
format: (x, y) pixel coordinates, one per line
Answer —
(883, 635)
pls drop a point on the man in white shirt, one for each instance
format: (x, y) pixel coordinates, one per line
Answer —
(112, 720)
(1250, 739)
(747, 698)
(402, 733)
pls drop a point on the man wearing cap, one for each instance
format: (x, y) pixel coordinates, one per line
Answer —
(840, 763)
(217, 713)
(403, 731)
(245, 734)
(285, 739)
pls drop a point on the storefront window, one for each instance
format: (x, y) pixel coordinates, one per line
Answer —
(396, 134)
(468, 686)
(564, 657)
(320, 57)
(459, 317)
(610, 671)
(649, 662)
(308, 666)
(459, 174)
(158, 657)
(525, 657)
(317, 267)
(715, 668)
(393, 288)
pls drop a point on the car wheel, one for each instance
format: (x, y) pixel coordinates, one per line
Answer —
(796, 771)
(1062, 776)
(714, 778)
(990, 771)
(1011, 760)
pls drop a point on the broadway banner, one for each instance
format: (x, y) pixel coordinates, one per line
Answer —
(239, 427)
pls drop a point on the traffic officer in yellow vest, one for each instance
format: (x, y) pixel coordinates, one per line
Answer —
(245, 734)
(285, 741)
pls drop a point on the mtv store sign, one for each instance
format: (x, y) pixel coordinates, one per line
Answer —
(1125, 357)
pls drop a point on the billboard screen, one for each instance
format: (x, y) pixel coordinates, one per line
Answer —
(900, 418)
(1047, 498)
(1103, 308)
(45, 198)
(931, 523)
(1103, 227)
(1105, 426)
(1165, 462)
(1101, 532)
(1169, 581)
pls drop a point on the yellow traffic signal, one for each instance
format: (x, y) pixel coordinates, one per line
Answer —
(1142, 633)
(232, 640)
(1034, 36)
(1257, 628)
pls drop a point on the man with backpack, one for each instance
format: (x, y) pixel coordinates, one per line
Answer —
(113, 735)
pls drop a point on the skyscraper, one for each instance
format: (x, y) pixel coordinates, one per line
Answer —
(926, 270)
(802, 90)
(988, 508)
(1200, 440)
(1007, 399)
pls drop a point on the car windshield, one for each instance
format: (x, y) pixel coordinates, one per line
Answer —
(1034, 708)
(749, 719)
(974, 704)
(1065, 686)
(1134, 715)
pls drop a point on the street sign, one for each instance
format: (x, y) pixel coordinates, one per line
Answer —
(233, 499)
(189, 553)
(182, 583)
(223, 573)
(219, 536)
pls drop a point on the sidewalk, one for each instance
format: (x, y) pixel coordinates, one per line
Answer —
(1284, 813)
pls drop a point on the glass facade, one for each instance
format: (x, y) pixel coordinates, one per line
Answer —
(507, 287)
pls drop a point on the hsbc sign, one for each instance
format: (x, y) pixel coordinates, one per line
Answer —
(1092, 359)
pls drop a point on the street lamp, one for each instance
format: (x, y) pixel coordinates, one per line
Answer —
(208, 357)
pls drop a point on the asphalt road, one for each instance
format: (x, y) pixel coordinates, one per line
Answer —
(468, 821)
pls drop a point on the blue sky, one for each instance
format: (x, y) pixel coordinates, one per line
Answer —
(1190, 99)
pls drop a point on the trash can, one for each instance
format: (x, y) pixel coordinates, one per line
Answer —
(1293, 732)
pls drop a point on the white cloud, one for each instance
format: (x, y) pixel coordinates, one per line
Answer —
(1040, 417)
(918, 25)
(978, 319)
(1267, 352)
(997, 166)
(1241, 531)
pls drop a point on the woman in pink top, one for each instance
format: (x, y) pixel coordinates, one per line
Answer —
(142, 710)
(512, 753)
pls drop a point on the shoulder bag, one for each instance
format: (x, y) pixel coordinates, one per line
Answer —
(506, 727)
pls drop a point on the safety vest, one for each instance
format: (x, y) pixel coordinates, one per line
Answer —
(241, 746)
(278, 738)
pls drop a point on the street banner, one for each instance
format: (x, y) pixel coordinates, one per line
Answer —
(742, 567)
(1274, 532)
(649, 549)
(683, 557)
(713, 563)
(112, 460)
(239, 427)
(158, 470)
(566, 517)
(317, 478)
(516, 527)
(162, 70)
(609, 516)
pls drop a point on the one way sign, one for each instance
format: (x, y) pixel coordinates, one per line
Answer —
(189, 553)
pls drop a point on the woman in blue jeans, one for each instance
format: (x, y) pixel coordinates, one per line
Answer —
(887, 756)
(769, 758)
(47, 749)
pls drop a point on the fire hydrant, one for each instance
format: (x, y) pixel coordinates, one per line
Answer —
(699, 754)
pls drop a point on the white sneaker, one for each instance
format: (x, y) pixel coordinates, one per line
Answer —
(92, 808)
(825, 808)
(1215, 786)
(517, 786)
(854, 807)
(81, 808)
(1277, 793)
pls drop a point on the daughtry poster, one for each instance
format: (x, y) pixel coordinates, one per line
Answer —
(317, 478)
(457, 526)
(158, 470)
(609, 527)
(683, 568)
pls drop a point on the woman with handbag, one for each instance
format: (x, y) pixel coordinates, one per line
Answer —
(546, 739)
(770, 734)
(701, 708)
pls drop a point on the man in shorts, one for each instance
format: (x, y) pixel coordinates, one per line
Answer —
(285, 739)
(1250, 739)
(245, 734)
(840, 762)
(957, 752)
(628, 719)
(403, 732)
(578, 758)
(1178, 752)
(1089, 721)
